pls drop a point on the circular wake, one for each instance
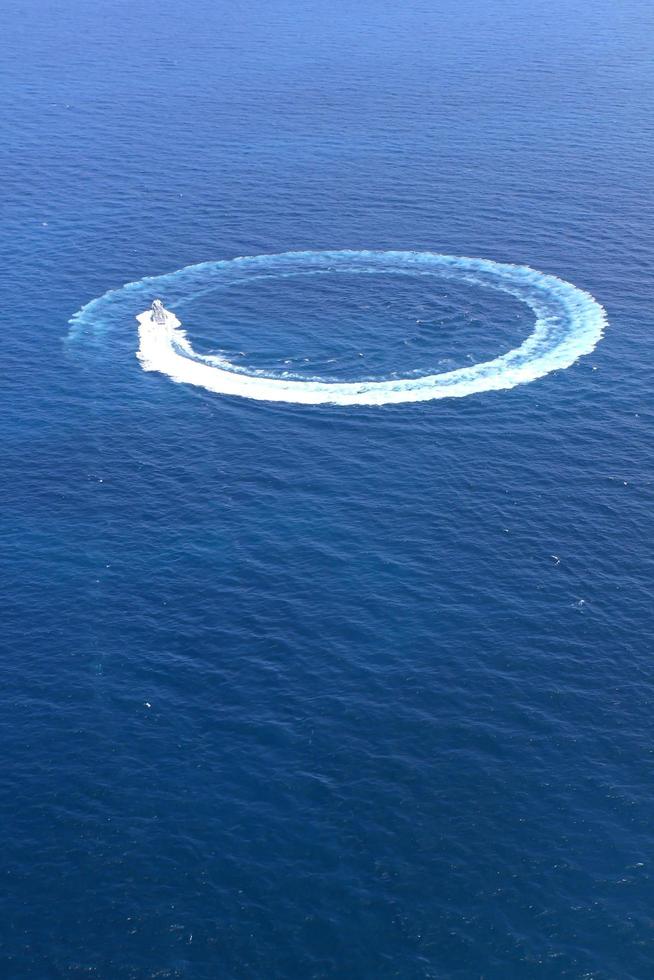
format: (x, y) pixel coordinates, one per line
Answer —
(569, 323)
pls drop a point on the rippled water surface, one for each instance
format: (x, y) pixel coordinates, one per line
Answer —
(349, 326)
(318, 691)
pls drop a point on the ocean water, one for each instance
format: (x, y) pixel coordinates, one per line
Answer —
(326, 690)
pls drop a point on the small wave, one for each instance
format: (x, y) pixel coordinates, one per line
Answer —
(569, 323)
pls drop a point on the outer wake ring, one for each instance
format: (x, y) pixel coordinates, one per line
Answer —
(569, 323)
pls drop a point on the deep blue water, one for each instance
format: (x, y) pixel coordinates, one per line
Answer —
(301, 692)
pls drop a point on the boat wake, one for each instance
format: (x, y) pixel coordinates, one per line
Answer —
(569, 323)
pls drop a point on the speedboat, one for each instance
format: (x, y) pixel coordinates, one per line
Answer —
(158, 313)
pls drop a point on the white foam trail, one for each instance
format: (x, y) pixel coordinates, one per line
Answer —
(569, 323)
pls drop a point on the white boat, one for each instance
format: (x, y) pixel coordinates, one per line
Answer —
(158, 313)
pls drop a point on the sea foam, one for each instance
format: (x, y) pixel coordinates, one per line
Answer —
(569, 323)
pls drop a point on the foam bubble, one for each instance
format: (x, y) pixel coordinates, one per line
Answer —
(569, 323)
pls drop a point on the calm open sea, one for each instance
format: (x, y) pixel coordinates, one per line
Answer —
(324, 691)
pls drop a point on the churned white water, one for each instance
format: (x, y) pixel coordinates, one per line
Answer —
(569, 323)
